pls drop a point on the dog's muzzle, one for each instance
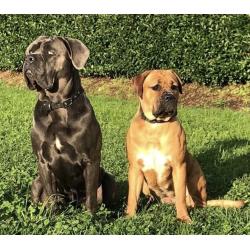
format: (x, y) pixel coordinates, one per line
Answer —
(29, 74)
(33, 82)
(167, 106)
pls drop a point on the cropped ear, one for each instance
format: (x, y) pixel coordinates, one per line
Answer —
(78, 52)
(179, 81)
(35, 44)
(138, 82)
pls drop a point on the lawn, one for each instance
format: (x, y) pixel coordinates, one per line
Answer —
(219, 138)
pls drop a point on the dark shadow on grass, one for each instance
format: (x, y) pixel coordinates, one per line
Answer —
(221, 173)
(119, 207)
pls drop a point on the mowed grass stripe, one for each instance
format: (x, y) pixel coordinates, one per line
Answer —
(218, 138)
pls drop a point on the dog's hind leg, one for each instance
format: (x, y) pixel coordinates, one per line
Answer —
(196, 182)
(109, 189)
(100, 195)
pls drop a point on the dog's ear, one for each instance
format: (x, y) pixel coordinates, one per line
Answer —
(78, 52)
(138, 82)
(179, 81)
(35, 44)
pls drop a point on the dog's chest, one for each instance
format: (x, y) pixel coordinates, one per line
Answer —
(154, 159)
(58, 144)
(55, 141)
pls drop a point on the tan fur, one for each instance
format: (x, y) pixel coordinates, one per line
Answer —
(159, 162)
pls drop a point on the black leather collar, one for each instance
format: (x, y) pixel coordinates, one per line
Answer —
(154, 120)
(50, 106)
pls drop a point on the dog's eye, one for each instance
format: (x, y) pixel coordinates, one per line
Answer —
(174, 87)
(156, 87)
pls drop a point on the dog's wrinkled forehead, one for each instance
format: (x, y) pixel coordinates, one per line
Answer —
(166, 78)
(157, 80)
(46, 44)
(60, 46)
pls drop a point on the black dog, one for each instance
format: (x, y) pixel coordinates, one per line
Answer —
(66, 136)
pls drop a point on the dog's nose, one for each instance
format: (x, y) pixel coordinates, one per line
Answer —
(169, 97)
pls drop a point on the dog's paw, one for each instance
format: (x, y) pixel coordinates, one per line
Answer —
(185, 219)
(168, 200)
(129, 213)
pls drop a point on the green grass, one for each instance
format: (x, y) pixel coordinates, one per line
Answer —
(218, 138)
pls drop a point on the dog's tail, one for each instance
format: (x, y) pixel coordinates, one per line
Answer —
(226, 203)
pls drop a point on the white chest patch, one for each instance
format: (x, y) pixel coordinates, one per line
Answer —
(58, 144)
(154, 160)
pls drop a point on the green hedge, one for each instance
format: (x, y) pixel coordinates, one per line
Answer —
(209, 49)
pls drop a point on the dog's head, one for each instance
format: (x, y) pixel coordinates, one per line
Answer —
(48, 59)
(158, 91)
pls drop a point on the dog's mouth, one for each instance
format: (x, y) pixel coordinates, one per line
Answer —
(166, 114)
(31, 81)
(34, 84)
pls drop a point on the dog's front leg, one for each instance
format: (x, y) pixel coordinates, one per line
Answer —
(48, 181)
(91, 176)
(179, 177)
(135, 181)
(37, 190)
